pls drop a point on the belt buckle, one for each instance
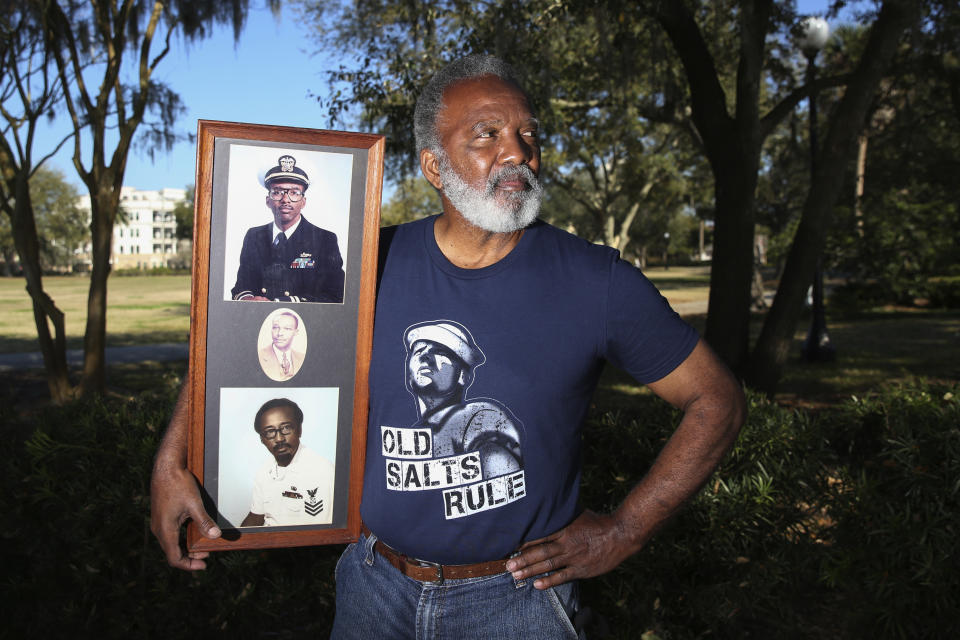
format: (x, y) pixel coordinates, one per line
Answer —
(432, 565)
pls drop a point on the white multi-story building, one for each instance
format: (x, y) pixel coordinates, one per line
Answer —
(148, 236)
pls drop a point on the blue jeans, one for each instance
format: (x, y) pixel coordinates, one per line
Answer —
(375, 600)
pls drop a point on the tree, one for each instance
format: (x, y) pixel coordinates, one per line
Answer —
(8, 250)
(613, 166)
(733, 141)
(907, 227)
(183, 212)
(61, 225)
(621, 170)
(29, 92)
(846, 121)
(86, 53)
(723, 72)
(412, 200)
(103, 36)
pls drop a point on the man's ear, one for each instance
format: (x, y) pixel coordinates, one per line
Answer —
(430, 166)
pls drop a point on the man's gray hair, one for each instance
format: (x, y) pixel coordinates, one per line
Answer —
(430, 102)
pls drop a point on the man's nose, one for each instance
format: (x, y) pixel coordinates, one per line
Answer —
(516, 149)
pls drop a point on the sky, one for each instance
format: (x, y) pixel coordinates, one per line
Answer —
(217, 80)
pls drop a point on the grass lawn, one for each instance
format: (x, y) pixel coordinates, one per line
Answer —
(872, 347)
(875, 348)
(140, 310)
(150, 309)
(681, 284)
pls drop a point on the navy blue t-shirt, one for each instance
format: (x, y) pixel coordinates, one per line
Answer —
(480, 382)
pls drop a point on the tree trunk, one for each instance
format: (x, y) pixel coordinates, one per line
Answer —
(53, 348)
(623, 239)
(861, 180)
(732, 145)
(773, 346)
(757, 293)
(703, 230)
(95, 333)
(731, 274)
(8, 255)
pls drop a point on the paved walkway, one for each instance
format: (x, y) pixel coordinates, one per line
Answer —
(693, 308)
(164, 352)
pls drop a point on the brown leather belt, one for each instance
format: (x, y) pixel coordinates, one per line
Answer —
(425, 571)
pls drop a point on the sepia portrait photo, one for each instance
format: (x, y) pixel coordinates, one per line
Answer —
(282, 344)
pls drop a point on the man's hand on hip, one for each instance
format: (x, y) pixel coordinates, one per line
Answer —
(713, 410)
(591, 545)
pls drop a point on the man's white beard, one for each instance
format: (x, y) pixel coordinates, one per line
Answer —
(481, 209)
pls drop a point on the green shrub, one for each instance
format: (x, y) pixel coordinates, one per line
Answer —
(941, 292)
(944, 292)
(743, 557)
(78, 553)
(851, 297)
(895, 557)
(841, 524)
(153, 271)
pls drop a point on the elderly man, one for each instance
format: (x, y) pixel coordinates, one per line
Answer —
(279, 360)
(549, 309)
(296, 486)
(289, 259)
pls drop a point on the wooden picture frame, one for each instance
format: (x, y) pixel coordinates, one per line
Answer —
(271, 333)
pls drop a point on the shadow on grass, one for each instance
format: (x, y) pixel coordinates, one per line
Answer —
(166, 308)
(875, 348)
(29, 345)
(681, 283)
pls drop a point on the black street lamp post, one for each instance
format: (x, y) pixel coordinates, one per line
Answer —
(817, 346)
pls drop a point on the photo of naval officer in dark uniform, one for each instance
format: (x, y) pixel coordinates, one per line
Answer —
(289, 259)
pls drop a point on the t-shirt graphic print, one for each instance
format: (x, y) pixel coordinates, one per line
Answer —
(466, 450)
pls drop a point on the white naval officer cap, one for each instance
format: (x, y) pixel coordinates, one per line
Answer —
(288, 171)
(452, 335)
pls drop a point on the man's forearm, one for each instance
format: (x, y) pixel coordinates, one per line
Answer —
(173, 447)
(713, 410)
(707, 431)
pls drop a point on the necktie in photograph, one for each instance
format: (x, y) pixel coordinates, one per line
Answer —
(285, 364)
(279, 246)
